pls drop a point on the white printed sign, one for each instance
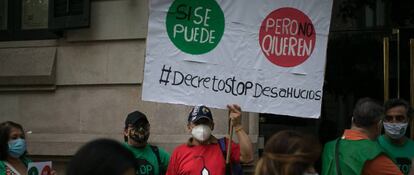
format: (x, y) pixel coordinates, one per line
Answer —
(39, 168)
(267, 56)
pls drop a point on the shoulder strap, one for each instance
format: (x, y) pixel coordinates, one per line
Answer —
(157, 154)
(222, 144)
(338, 167)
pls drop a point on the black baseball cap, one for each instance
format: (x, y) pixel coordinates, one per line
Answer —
(199, 112)
(135, 118)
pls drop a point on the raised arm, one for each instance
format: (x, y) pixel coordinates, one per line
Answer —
(246, 148)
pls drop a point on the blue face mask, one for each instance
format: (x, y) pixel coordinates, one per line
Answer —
(17, 147)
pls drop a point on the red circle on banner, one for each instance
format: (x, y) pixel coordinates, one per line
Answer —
(46, 170)
(287, 37)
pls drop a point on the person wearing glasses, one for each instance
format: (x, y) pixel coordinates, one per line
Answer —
(399, 147)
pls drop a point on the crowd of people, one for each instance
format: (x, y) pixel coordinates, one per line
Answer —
(360, 150)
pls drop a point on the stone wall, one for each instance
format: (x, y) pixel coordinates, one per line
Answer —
(98, 73)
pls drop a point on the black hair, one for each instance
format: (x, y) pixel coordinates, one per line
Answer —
(101, 157)
(5, 129)
(367, 113)
(398, 102)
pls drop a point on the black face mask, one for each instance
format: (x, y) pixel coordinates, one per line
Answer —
(140, 134)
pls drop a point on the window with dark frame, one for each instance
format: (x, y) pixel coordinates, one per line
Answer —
(69, 14)
(3, 14)
(41, 19)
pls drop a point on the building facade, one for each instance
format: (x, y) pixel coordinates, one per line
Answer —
(79, 84)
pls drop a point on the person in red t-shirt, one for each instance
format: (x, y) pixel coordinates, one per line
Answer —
(202, 154)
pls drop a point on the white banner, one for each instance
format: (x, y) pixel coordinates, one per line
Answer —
(266, 55)
(39, 168)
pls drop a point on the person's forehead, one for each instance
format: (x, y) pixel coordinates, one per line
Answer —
(397, 110)
(15, 131)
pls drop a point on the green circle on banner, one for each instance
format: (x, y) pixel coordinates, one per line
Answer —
(33, 171)
(195, 26)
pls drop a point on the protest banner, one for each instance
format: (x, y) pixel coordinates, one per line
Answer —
(267, 56)
(39, 168)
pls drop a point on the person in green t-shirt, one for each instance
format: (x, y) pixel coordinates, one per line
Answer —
(394, 142)
(356, 152)
(151, 160)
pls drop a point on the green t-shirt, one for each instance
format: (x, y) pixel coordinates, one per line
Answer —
(352, 156)
(24, 159)
(400, 154)
(147, 160)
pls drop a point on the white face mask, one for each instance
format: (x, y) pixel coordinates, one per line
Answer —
(395, 130)
(201, 132)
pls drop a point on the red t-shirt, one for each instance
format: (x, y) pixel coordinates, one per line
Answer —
(194, 160)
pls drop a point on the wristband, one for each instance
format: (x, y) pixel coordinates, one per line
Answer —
(238, 128)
